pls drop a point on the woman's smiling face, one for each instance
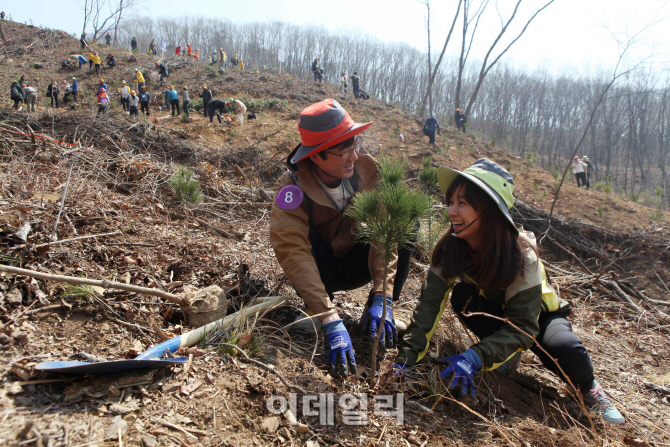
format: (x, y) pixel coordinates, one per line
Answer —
(463, 218)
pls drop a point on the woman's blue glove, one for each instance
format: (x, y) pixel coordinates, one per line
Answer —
(339, 350)
(373, 319)
(400, 369)
(460, 371)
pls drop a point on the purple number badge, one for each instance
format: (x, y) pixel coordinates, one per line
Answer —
(289, 197)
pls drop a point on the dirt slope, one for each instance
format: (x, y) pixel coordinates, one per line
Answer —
(118, 183)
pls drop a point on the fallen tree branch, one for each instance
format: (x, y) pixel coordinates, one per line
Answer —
(612, 285)
(262, 365)
(78, 238)
(93, 282)
(657, 388)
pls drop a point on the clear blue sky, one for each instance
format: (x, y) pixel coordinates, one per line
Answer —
(569, 36)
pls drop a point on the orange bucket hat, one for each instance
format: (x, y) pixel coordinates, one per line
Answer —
(324, 125)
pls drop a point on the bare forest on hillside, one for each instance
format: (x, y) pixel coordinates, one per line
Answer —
(539, 115)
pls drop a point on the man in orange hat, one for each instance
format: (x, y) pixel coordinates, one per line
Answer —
(315, 243)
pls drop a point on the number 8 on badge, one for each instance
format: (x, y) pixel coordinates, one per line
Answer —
(289, 197)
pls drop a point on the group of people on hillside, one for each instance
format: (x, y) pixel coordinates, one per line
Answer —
(22, 92)
(485, 267)
(133, 100)
(583, 170)
(216, 107)
(355, 80)
(431, 126)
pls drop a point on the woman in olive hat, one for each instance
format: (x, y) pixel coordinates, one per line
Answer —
(488, 265)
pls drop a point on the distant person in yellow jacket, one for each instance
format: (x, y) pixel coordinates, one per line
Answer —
(90, 60)
(241, 65)
(140, 79)
(222, 58)
(197, 54)
(97, 62)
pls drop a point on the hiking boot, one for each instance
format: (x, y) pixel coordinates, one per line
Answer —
(512, 364)
(306, 325)
(597, 402)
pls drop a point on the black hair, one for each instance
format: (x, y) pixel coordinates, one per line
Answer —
(502, 256)
(346, 143)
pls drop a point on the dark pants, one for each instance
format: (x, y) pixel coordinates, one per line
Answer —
(175, 106)
(355, 89)
(90, 64)
(102, 109)
(140, 85)
(162, 77)
(185, 106)
(97, 69)
(212, 112)
(317, 76)
(54, 98)
(144, 107)
(351, 271)
(133, 111)
(588, 180)
(80, 64)
(555, 336)
(74, 96)
(581, 179)
(431, 137)
(17, 100)
(460, 125)
(205, 107)
(125, 102)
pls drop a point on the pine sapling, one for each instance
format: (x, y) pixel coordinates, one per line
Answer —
(387, 218)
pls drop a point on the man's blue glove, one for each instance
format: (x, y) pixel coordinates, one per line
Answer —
(339, 350)
(373, 319)
(460, 371)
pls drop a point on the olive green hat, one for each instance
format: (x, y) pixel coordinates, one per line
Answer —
(492, 178)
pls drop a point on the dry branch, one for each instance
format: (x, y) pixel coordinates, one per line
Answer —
(93, 282)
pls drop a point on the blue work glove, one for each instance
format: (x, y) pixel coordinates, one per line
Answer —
(373, 319)
(339, 350)
(400, 369)
(460, 371)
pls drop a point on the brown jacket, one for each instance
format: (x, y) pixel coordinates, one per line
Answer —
(289, 232)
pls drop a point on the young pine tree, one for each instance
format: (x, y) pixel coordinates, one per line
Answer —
(388, 218)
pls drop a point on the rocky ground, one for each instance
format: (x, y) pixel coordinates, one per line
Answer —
(118, 171)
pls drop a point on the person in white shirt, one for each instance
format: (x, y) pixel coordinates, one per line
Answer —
(240, 109)
(125, 96)
(343, 82)
(133, 101)
(579, 170)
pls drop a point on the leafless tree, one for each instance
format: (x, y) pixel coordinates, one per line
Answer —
(103, 15)
(433, 73)
(486, 66)
(540, 112)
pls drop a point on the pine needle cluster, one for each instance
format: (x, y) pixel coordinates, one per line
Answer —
(185, 188)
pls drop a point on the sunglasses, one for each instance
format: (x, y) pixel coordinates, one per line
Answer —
(355, 148)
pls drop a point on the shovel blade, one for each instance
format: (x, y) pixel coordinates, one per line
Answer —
(111, 367)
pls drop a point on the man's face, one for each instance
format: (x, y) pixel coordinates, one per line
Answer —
(339, 160)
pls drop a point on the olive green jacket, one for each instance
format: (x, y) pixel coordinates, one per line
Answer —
(529, 296)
